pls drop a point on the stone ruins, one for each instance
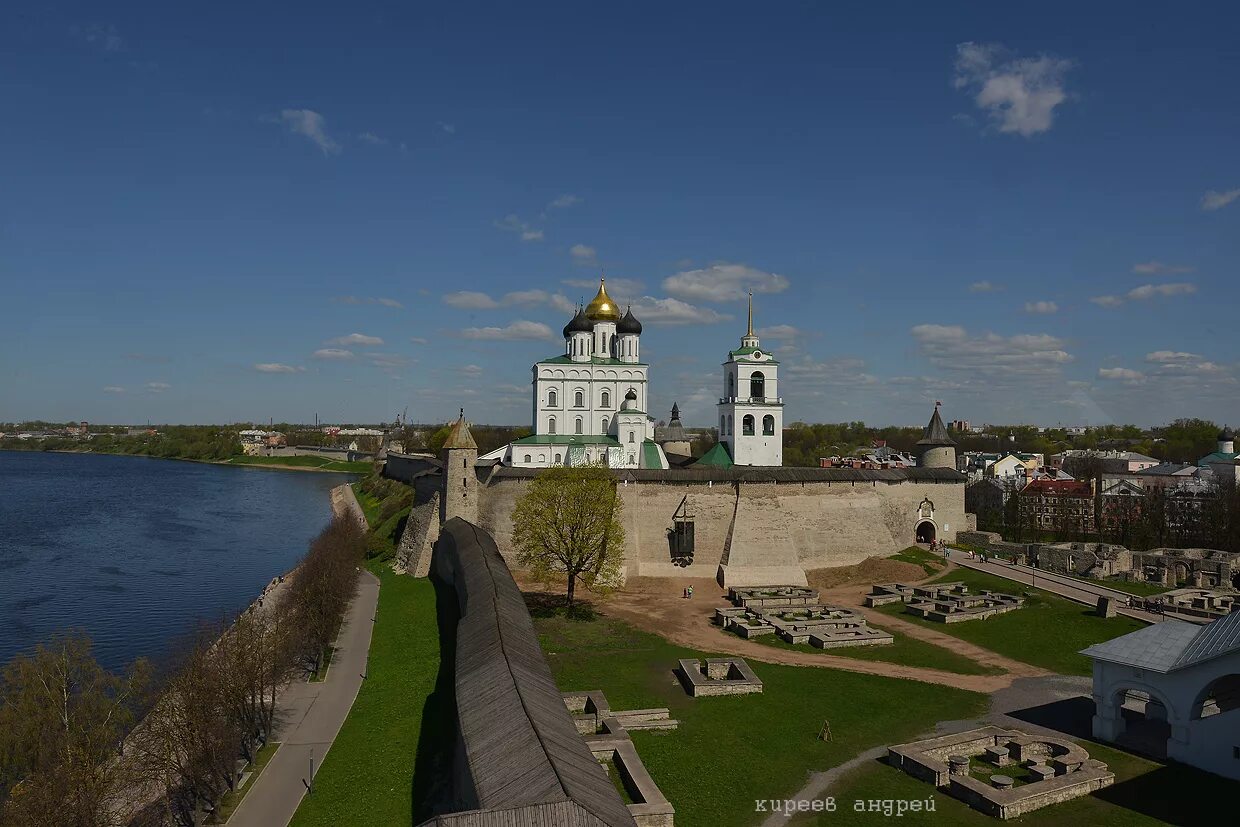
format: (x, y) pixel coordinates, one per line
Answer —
(606, 732)
(794, 615)
(1003, 773)
(1207, 603)
(944, 602)
(721, 676)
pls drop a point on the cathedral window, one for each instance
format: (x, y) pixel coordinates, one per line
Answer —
(578, 399)
(527, 457)
(605, 424)
(731, 385)
(722, 422)
(606, 399)
(557, 459)
(631, 437)
(757, 385)
(551, 399)
(747, 425)
(768, 425)
(578, 424)
(551, 425)
(729, 424)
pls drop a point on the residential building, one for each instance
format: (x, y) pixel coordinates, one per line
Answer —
(1057, 505)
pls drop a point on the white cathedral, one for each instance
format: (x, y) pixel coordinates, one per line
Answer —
(590, 403)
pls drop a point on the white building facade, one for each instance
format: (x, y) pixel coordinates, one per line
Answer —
(751, 411)
(589, 404)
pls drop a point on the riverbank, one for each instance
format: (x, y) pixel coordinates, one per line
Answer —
(239, 461)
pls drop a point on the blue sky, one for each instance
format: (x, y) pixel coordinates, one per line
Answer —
(233, 212)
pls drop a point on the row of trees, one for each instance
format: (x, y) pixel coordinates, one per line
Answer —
(1157, 519)
(200, 442)
(68, 741)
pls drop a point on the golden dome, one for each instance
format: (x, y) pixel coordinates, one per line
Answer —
(602, 308)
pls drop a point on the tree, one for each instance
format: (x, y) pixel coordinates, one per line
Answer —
(63, 719)
(568, 524)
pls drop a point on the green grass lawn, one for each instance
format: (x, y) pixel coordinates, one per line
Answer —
(1144, 793)
(369, 503)
(368, 775)
(230, 802)
(318, 463)
(1048, 631)
(905, 650)
(930, 563)
(730, 751)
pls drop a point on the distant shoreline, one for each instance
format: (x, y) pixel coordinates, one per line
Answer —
(220, 462)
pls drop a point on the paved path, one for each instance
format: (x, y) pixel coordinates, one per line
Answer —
(1079, 591)
(311, 715)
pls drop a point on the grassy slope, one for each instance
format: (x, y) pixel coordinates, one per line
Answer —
(1048, 631)
(366, 777)
(730, 751)
(1144, 793)
(318, 463)
(905, 650)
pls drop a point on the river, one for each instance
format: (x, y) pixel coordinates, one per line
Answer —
(138, 551)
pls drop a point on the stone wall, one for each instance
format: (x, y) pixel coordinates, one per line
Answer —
(992, 543)
(802, 524)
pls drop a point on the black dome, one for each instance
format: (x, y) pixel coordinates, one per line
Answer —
(632, 394)
(578, 324)
(629, 325)
(1227, 435)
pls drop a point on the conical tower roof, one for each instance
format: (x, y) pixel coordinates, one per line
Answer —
(936, 432)
(459, 436)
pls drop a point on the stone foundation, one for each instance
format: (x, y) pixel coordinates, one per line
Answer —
(721, 676)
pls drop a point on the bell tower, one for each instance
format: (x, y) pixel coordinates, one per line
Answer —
(751, 411)
(460, 483)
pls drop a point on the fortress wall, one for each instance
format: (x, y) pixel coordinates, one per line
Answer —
(812, 524)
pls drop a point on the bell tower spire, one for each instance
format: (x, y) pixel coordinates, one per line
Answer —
(749, 340)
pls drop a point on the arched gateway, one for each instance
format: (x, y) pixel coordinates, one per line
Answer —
(926, 531)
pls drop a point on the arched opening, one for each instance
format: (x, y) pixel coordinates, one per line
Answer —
(1145, 722)
(527, 458)
(731, 385)
(768, 425)
(723, 420)
(578, 399)
(551, 425)
(632, 436)
(729, 424)
(605, 424)
(747, 425)
(926, 532)
(577, 425)
(551, 399)
(606, 399)
(558, 459)
(1220, 697)
(757, 386)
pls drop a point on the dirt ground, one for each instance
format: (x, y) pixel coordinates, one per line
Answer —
(657, 605)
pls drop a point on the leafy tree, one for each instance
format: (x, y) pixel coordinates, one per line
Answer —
(568, 524)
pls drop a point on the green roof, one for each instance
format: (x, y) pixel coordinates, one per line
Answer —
(750, 351)
(566, 439)
(650, 455)
(716, 457)
(1217, 456)
(594, 360)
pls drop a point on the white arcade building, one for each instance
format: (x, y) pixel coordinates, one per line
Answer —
(590, 403)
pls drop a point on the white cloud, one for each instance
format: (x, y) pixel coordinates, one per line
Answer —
(276, 367)
(1214, 200)
(617, 287)
(564, 201)
(513, 224)
(310, 124)
(779, 332)
(386, 302)
(372, 139)
(446, 127)
(113, 389)
(953, 348)
(526, 297)
(1149, 291)
(1171, 356)
(1107, 301)
(1157, 268)
(1121, 374)
(1043, 308)
(983, 287)
(472, 370)
(470, 300)
(419, 340)
(389, 361)
(723, 282)
(1018, 95)
(518, 330)
(355, 339)
(583, 254)
(333, 353)
(104, 36)
(669, 311)
(157, 387)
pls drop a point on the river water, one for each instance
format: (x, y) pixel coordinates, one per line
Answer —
(138, 551)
